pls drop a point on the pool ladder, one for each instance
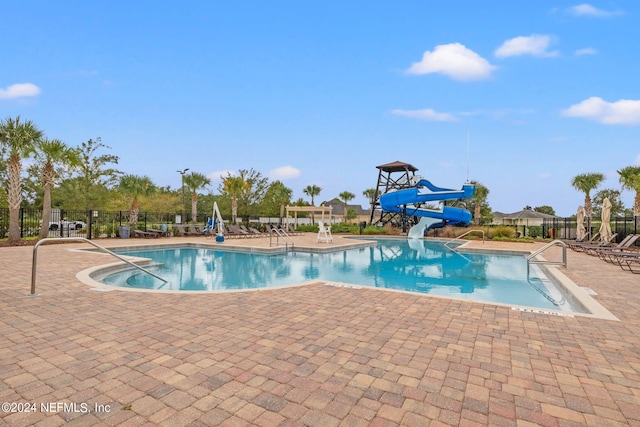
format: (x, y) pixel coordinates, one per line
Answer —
(563, 263)
(280, 233)
(34, 263)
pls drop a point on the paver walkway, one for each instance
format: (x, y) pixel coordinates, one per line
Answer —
(315, 355)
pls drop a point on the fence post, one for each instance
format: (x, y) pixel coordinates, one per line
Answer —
(89, 222)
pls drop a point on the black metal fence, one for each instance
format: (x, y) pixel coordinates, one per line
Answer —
(89, 224)
(565, 228)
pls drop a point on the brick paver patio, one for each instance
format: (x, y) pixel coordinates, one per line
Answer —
(313, 355)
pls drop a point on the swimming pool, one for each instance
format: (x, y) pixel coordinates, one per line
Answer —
(412, 265)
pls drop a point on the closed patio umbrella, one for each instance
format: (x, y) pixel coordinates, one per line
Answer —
(605, 227)
(581, 232)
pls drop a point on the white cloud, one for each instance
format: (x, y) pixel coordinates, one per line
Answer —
(588, 10)
(622, 112)
(544, 175)
(426, 114)
(586, 51)
(218, 175)
(453, 60)
(19, 90)
(535, 45)
(284, 172)
(638, 159)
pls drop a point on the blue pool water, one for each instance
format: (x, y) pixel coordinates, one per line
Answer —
(410, 265)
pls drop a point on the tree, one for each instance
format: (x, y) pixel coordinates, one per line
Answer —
(278, 195)
(630, 180)
(370, 194)
(18, 139)
(545, 209)
(479, 198)
(617, 207)
(346, 196)
(195, 181)
(89, 190)
(52, 153)
(587, 182)
(235, 187)
(134, 186)
(256, 187)
(312, 191)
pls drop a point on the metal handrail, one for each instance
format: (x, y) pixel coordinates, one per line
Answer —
(464, 234)
(281, 233)
(34, 263)
(544, 248)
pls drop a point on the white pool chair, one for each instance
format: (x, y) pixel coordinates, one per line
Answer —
(324, 233)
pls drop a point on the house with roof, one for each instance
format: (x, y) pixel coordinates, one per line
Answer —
(339, 214)
(526, 217)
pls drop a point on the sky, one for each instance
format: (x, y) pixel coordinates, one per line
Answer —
(520, 96)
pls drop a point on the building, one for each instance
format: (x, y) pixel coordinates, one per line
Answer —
(526, 217)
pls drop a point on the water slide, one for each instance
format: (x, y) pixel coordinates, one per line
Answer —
(425, 192)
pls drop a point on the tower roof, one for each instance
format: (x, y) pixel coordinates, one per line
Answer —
(397, 166)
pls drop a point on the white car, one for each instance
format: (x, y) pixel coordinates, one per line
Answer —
(71, 225)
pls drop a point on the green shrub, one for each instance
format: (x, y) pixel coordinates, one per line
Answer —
(534, 231)
(501, 231)
(345, 228)
(308, 228)
(372, 229)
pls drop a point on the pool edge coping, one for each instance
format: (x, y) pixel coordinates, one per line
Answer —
(596, 310)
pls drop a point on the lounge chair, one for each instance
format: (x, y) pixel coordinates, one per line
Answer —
(625, 243)
(629, 261)
(182, 231)
(256, 232)
(324, 233)
(158, 233)
(587, 246)
(145, 234)
(580, 242)
(624, 247)
(194, 230)
(235, 231)
(251, 232)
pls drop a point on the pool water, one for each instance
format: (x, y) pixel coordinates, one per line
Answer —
(410, 265)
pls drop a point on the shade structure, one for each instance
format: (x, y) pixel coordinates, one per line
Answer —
(581, 232)
(605, 227)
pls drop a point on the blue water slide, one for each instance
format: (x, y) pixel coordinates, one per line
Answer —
(424, 192)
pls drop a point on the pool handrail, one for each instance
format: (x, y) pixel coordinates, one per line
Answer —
(280, 232)
(464, 234)
(34, 262)
(563, 263)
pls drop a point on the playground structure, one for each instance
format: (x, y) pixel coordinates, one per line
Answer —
(411, 201)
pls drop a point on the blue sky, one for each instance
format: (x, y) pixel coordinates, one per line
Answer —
(521, 96)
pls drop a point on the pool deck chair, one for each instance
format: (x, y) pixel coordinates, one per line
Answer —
(324, 233)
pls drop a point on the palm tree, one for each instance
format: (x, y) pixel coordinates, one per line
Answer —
(195, 181)
(345, 196)
(586, 182)
(370, 194)
(312, 191)
(135, 186)
(18, 139)
(235, 186)
(630, 180)
(479, 197)
(52, 153)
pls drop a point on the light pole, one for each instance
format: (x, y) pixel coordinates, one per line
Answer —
(182, 172)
